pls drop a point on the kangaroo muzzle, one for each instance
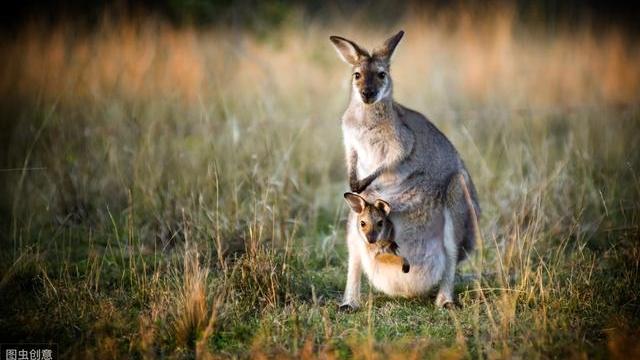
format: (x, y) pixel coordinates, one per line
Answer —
(371, 238)
(368, 95)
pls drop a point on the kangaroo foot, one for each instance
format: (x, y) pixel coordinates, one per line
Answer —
(444, 300)
(348, 306)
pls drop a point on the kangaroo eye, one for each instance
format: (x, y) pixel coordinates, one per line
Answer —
(380, 223)
(382, 74)
(363, 224)
(356, 75)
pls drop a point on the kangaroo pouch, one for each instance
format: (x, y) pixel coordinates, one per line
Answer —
(422, 245)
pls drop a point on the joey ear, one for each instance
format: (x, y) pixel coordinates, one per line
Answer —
(386, 50)
(349, 51)
(355, 201)
(383, 205)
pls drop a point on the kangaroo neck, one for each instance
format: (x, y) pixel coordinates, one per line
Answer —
(374, 114)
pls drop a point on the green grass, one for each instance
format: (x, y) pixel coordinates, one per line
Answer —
(162, 225)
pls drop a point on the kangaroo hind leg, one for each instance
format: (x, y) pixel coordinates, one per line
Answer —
(455, 212)
(445, 293)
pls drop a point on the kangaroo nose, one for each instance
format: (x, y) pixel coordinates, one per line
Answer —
(371, 238)
(368, 93)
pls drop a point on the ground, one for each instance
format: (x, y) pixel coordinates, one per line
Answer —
(198, 212)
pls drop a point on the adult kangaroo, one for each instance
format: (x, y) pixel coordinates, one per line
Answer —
(396, 154)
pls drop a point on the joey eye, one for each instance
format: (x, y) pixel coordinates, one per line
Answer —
(380, 223)
(357, 75)
(363, 224)
(382, 75)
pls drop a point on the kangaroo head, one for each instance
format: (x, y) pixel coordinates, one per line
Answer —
(371, 81)
(373, 219)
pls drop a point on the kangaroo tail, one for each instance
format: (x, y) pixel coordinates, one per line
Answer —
(470, 221)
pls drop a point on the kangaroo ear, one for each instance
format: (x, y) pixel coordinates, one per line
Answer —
(355, 201)
(349, 51)
(383, 205)
(386, 50)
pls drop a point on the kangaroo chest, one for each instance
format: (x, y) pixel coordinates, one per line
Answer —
(376, 145)
(372, 148)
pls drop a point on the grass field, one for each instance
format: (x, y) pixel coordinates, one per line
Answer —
(178, 192)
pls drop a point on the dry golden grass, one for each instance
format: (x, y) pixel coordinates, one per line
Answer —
(486, 59)
(184, 193)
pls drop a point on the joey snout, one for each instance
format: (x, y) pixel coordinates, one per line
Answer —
(372, 237)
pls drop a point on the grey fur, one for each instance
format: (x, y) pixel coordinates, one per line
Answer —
(397, 154)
